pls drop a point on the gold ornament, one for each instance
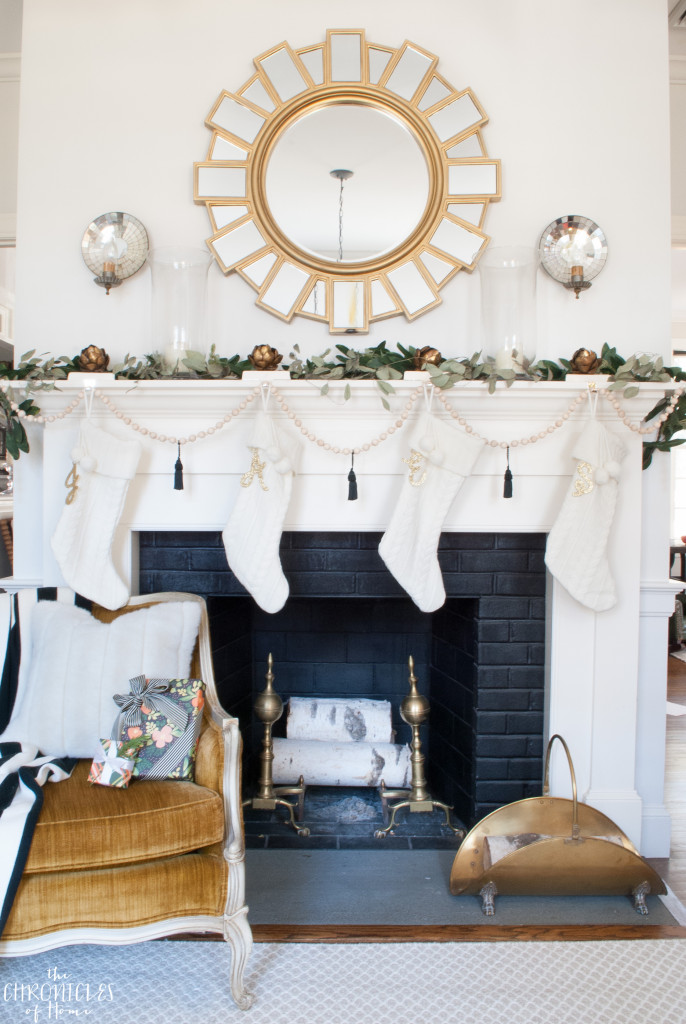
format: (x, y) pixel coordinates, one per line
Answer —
(427, 355)
(264, 357)
(93, 359)
(72, 485)
(584, 480)
(415, 464)
(255, 470)
(584, 360)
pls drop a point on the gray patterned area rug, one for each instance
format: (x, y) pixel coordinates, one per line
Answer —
(631, 982)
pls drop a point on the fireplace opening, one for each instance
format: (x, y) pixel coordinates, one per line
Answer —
(347, 631)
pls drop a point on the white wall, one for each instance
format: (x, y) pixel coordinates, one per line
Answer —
(9, 139)
(113, 103)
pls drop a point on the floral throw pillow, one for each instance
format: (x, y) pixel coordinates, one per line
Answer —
(167, 715)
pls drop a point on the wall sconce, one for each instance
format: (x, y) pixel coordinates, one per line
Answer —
(114, 247)
(573, 251)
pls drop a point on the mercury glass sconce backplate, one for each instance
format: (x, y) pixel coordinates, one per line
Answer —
(114, 247)
(573, 250)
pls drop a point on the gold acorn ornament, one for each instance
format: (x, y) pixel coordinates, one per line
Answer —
(427, 354)
(584, 360)
(93, 359)
(264, 357)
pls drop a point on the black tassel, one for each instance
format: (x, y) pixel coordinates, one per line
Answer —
(352, 482)
(178, 473)
(507, 486)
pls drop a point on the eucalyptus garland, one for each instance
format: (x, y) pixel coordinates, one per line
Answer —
(378, 363)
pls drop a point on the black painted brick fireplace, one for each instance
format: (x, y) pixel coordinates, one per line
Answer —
(348, 628)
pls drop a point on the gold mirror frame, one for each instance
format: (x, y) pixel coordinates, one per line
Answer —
(404, 82)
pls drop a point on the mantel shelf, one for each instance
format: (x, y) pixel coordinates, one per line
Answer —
(527, 400)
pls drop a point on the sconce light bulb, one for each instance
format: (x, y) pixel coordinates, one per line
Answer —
(577, 280)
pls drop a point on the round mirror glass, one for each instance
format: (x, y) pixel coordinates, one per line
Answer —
(382, 202)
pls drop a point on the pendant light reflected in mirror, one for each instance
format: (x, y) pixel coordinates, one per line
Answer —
(347, 294)
(342, 176)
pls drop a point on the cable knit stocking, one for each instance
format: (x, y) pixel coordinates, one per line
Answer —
(82, 543)
(440, 459)
(252, 535)
(576, 552)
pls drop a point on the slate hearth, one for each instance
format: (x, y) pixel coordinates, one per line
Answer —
(347, 630)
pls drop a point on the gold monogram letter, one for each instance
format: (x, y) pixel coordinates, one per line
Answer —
(584, 480)
(255, 470)
(72, 483)
(415, 464)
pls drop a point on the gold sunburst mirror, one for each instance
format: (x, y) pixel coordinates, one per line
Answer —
(347, 182)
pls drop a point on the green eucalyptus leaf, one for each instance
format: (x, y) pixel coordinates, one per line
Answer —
(195, 361)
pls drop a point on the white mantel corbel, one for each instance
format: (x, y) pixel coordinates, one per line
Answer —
(606, 671)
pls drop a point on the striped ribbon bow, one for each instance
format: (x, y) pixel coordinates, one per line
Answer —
(151, 693)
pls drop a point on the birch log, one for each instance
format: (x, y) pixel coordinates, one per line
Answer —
(341, 764)
(339, 720)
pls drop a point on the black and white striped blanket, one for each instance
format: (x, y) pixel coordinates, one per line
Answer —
(23, 768)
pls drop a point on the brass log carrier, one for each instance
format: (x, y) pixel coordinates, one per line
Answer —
(551, 846)
(414, 710)
(269, 708)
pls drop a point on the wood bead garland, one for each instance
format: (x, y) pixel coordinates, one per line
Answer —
(383, 436)
(654, 424)
(610, 396)
(198, 436)
(532, 439)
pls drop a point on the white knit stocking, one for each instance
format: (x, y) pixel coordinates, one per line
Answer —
(82, 543)
(576, 552)
(252, 535)
(440, 459)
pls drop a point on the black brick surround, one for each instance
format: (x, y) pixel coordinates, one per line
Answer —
(480, 657)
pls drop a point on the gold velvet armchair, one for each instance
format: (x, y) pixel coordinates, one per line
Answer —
(117, 866)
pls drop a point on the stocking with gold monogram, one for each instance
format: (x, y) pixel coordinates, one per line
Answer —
(102, 469)
(439, 460)
(252, 535)
(576, 552)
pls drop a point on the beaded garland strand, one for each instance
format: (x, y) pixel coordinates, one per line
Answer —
(397, 425)
(109, 404)
(533, 438)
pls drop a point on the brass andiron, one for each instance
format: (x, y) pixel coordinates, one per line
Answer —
(269, 708)
(414, 710)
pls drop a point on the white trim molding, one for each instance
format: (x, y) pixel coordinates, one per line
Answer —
(10, 67)
(679, 231)
(8, 228)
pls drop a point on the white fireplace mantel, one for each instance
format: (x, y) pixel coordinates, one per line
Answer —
(606, 672)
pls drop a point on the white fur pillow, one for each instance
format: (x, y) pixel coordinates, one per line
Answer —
(77, 664)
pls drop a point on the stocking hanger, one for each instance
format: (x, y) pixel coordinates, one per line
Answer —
(88, 395)
(429, 391)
